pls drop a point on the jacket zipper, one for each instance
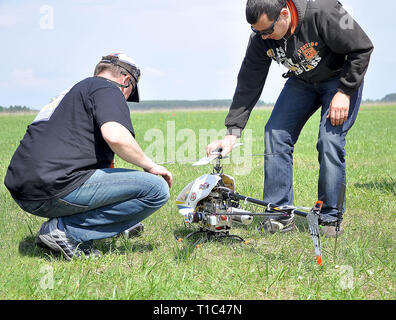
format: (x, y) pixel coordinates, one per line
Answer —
(285, 43)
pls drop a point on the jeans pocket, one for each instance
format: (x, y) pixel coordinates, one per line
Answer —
(63, 207)
(37, 208)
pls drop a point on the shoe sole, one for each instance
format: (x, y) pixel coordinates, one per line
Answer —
(40, 243)
(53, 245)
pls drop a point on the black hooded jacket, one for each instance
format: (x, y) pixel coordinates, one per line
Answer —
(326, 43)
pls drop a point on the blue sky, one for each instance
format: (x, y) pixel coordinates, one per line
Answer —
(187, 49)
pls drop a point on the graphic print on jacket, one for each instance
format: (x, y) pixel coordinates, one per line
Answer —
(326, 43)
(308, 54)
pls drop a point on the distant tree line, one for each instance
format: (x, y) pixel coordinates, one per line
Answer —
(15, 109)
(185, 104)
(389, 98)
(212, 104)
(190, 104)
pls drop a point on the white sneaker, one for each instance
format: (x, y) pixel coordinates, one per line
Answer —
(56, 240)
(282, 224)
(134, 231)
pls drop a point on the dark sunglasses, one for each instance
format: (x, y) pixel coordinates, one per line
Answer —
(268, 31)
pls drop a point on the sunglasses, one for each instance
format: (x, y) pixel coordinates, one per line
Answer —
(268, 31)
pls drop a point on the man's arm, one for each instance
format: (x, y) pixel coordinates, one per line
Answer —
(251, 79)
(343, 35)
(122, 143)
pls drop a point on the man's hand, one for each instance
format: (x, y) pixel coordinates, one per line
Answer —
(339, 108)
(226, 145)
(160, 170)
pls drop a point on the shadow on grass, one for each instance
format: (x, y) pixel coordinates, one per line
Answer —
(187, 246)
(301, 224)
(193, 238)
(383, 185)
(27, 247)
(200, 237)
(121, 245)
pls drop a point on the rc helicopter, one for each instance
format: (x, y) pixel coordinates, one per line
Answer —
(211, 202)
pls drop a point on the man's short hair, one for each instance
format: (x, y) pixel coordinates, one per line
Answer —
(119, 64)
(256, 8)
(114, 70)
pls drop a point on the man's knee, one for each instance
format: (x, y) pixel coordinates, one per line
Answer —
(331, 146)
(160, 193)
(165, 194)
(277, 141)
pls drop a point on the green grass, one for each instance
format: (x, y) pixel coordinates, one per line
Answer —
(280, 266)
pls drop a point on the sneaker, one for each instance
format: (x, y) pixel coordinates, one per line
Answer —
(39, 243)
(327, 219)
(50, 237)
(134, 231)
(282, 224)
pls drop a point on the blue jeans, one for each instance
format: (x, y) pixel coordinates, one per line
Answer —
(109, 202)
(297, 102)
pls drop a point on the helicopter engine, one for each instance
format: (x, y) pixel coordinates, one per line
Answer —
(204, 202)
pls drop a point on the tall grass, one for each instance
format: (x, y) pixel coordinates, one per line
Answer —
(280, 266)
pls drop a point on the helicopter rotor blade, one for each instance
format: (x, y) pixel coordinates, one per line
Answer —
(205, 160)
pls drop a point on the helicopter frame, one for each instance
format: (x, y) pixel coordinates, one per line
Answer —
(230, 201)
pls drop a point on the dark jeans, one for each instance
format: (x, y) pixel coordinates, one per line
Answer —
(297, 102)
(108, 203)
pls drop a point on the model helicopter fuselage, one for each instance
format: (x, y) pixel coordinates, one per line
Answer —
(211, 202)
(203, 202)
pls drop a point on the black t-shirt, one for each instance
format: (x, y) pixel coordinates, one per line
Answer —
(64, 145)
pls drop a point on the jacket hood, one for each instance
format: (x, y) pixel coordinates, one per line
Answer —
(301, 6)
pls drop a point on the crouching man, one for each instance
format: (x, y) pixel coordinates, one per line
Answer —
(62, 167)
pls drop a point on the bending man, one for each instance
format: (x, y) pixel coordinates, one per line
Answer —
(327, 54)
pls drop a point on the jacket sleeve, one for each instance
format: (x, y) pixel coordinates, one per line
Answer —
(343, 35)
(251, 80)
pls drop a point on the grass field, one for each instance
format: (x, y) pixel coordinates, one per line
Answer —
(281, 266)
